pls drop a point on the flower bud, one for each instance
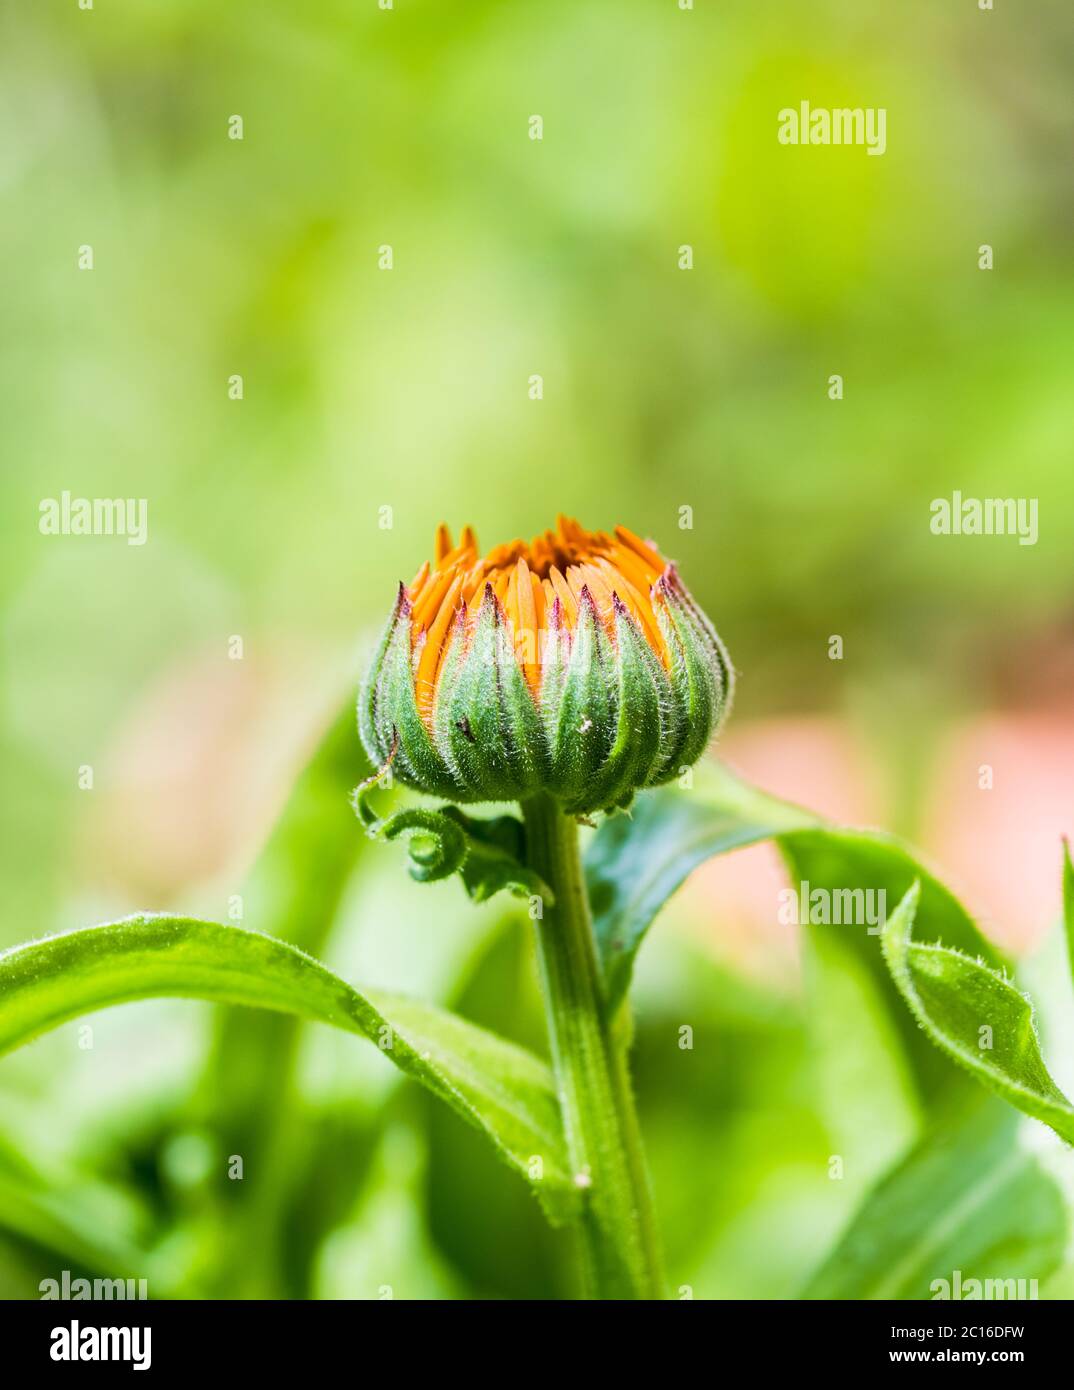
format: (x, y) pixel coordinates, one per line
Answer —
(578, 665)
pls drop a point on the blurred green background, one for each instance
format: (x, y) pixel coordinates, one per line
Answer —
(408, 388)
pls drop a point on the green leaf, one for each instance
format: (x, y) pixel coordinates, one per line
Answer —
(967, 1198)
(637, 860)
(977, 1017)
(502, 1089)
(634, 863)
(831, 858)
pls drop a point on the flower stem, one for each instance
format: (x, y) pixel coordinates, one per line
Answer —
(592, 1076)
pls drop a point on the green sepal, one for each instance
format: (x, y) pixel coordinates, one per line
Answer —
(486, 721)
(584, 727)
(646, 717)
(444, 733)
(388, 711)
(700, 675)
(554, 670)
(374, 720)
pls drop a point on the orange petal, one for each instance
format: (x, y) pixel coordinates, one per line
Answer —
(417, 583)
(641, 575)
(569, 529)
(433, 651)
(602, 596)
(538, 599)
(651, 557)
(526, 624)
(563, 592)
(428, 604)
(639, 606)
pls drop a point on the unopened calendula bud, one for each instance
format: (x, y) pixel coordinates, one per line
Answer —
(578, 665)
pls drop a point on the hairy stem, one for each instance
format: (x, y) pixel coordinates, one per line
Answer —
(592, 1076)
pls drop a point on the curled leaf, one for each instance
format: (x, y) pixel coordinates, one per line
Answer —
(488, 855)
(435, 844)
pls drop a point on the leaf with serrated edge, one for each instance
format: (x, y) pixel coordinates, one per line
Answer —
(953, 998)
